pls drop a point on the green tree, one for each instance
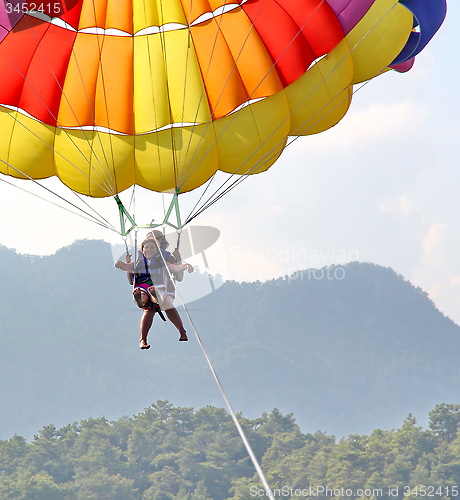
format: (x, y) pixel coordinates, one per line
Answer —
(380, 450)
(348, 463)
(410, 443)
(12, 453)
(29, 486)
(169, 453)
(422, 472)
(318, 468)
(165, 484)
(200, 492)
(101, 486)
(445, 421)
(447, 468)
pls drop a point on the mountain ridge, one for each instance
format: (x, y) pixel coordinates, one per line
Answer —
(344, 355)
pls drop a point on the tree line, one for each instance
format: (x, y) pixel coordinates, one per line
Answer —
(177, 453)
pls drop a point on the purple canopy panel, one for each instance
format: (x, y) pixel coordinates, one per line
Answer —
(349, 12)
(8, 19)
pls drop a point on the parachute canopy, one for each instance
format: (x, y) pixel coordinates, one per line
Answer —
(105, 94)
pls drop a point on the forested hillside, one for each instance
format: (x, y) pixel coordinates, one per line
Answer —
(346, 349)
(177, 453)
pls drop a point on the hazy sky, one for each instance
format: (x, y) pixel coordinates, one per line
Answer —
(382, 187)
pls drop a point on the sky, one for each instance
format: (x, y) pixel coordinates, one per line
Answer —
(381, 186)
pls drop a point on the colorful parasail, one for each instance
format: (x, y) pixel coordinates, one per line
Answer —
(106, 94)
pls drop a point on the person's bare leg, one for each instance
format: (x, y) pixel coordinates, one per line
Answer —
(152, 294)
(146, 323)
(174, 317)
(137, 294)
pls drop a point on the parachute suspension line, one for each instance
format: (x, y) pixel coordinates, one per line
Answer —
(103, 163)
(181, 179)
(230, 409)
(89, 217)
(102, 221)
(135, 258)
(177, 161)
(274, 151)
(249, 97)
(216, 196)
(268, 157)
(129, 259)
(105, 222)
(16, 122)
(92, 209)
(220, 192)
(188, 170)
(162, 34)
(202, 96)
(152, 78)
(292, 139)
(111, 176)
(126, 245)
(39, 97)
(42, 101)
